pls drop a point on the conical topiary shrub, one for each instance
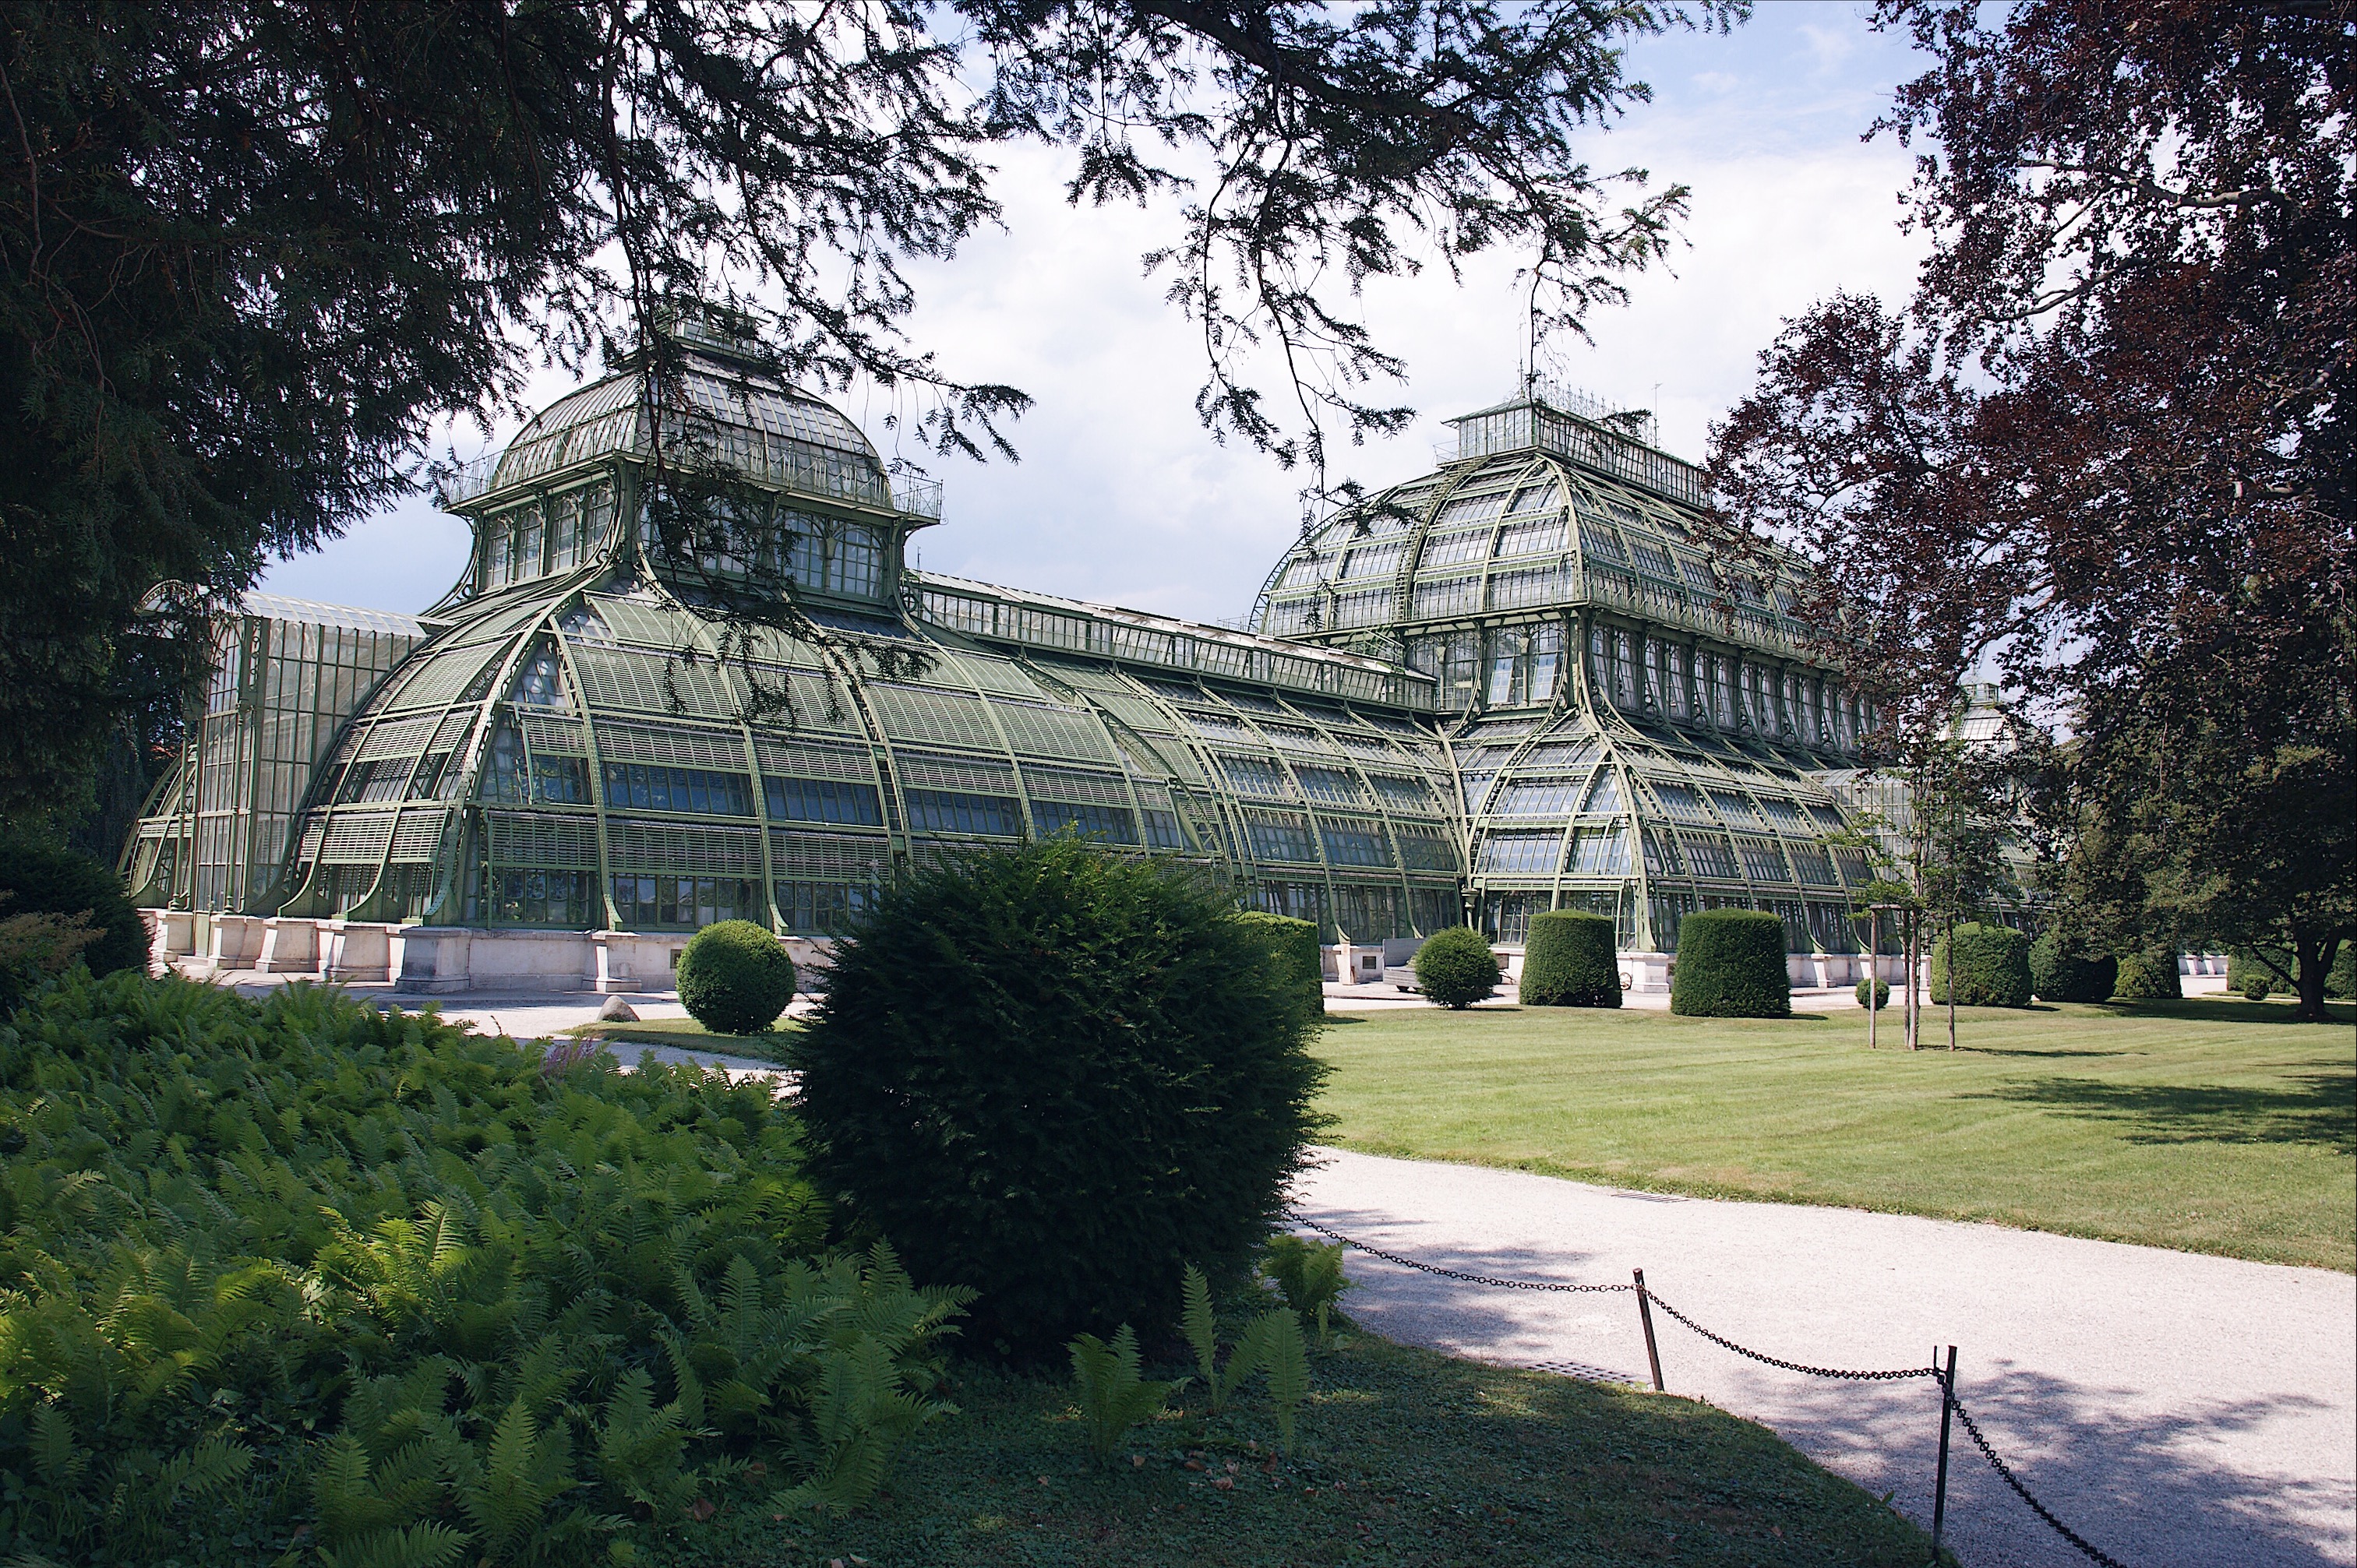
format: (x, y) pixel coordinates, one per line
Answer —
(1571, 960)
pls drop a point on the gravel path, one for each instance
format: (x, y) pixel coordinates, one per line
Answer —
(2173, 1408)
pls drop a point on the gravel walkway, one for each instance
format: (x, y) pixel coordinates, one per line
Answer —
(2173, 1408)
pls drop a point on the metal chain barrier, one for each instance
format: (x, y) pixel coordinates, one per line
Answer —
(1456, 1274)
(1722, 1339)
(2003, 1472)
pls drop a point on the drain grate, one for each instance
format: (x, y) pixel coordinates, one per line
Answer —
(1583, 1371)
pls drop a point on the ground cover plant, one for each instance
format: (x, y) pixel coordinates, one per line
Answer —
(1058, 1075)
(297, 1281)
(2213, 1125)
(1405, 1459)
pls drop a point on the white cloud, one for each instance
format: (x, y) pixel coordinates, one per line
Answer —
(1121, 496)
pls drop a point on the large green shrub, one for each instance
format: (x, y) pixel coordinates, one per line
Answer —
(1292, 947)
(43, 878)
(1571, 960)
(1992, 967)
(1456, 968)
(735, 978)
(1060, 1076)
(297, 1273)
(1731, 965)
(2148, 977)
(2061, 970)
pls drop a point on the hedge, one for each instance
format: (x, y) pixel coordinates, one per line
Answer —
(2060, 971)
(1992, 967)
(1731, 965)
(1571, 960)
(2148, 977)
(1292, 947)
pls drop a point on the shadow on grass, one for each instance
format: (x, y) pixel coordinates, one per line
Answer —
(2221, 1009)
(2315, 1109)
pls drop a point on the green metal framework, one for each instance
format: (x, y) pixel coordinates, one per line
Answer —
(569, 749)
(1633, 732)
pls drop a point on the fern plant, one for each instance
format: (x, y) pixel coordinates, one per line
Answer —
(1112, 1396)
(1309, 1276)
(527, 1314)
(1271, 1342)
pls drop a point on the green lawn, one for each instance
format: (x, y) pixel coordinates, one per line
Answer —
(2213, 1126)
(1406, 1458)
(689, 1035)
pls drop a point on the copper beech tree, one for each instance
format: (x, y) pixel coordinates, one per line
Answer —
(2104, 450)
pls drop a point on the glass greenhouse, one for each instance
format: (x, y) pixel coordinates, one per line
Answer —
(1514, 683)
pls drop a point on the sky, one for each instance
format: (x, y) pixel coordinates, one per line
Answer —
(1120, 497)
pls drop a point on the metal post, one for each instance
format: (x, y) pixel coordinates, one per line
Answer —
(1940, 1487)
(1645, 1317)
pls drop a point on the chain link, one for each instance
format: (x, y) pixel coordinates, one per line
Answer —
(1722, 1339)
(1455, 1273)
(2005, 1471)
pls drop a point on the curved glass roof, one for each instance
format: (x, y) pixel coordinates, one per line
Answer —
(721, 410)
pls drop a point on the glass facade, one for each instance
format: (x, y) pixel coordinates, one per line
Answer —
(1517, 683)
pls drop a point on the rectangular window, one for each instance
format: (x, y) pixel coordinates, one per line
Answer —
(528, 534)
(1428, 851)
(649, 787)
(1708, 855)
(1162, 831)
(1546, 663)
(1329, 784)
(823, 800)
(821, 909)
(685, 903)
(558, 899)
(1599, 851)
(1114, 824)
(560, 780)
(1762, 861)
(1254, 776)
(1353, 846)
(1537, 798)
(1282, 841)
(952, 812)
(1814, 865)
(1604, 796)
(1521, 854)
(1402, 794)
(1505, 668)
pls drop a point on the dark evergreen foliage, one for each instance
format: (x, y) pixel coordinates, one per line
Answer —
(1991, 966)
(1731, 965)
(1456, 968)
(1060, 1076)
(252, 255)
(2249, 974)
(1879, 990)
(1571, 960)
(43, 876)
(1294, 945)
(735, 978)
(2148, 977)
(2061, 970)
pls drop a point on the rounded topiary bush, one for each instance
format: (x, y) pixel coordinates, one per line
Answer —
(1878, 998)
(1292, 947)
(1060, 1076)
(2147, 977)
(1991, 965)
(735, 978)
(1731, 965)
(1456, 968)
(1571, 960)
(43, 878)
(2060, 971)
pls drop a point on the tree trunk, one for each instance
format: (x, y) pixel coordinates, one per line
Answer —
(2315, 960)
(1873, 969)
(1951, 940)
(1914, 1012)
